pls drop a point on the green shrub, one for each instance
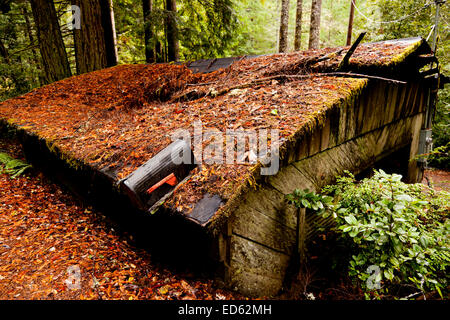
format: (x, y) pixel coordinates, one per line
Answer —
(397, 234)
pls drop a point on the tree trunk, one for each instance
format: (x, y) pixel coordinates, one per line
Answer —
(109, 28)
(95, 41)
(147, 7)
(284, 26)
(314, 31)
(159, 52)
(4, 52)
(298, 26)
(350, 22)
(173, 46)
(53, 53)
(33, 50)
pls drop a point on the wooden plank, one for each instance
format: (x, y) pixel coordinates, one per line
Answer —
(271, 203)
(315, 140)
(318, 168)
(313, 223)
(325, 135)
(290, 178)
(383, 104)
(263, 229)
(302, 147)
(393, 92)
(401, 105)
(362, 104)
(343, 119)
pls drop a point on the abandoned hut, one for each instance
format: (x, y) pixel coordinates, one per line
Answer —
(109, 136)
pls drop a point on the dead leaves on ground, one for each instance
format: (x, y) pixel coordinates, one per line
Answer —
(44, 233)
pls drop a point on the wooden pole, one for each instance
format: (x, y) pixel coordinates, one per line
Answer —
(350, 22)
(301, 236)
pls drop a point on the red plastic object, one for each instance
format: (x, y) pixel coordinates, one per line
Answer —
(171, 180)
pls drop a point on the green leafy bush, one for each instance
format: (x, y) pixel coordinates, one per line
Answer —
(309, 200)
(397, 234)
(440, 157)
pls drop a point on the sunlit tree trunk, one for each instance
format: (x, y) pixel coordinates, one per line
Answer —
(284, 26)
(173, 46)
(314, 31)
(298, 26)
(109, 28)
(51, 45)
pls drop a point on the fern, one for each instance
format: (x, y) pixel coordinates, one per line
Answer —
(11, 166)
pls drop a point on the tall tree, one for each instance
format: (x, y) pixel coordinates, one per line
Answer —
(109, 28)
(298, 26)
(350, 22)
(173, 45)
(29, 33)
(95, 41)
(284, 26)
(147, 7)
(51, 45)
(314, 30)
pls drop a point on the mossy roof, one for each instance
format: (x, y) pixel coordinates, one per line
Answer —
(116, 119)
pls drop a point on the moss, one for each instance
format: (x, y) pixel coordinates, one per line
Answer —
(11, 126)
(405, 53)
(254, 180)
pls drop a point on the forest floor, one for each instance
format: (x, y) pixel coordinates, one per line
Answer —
(53, 247)
(439, 179)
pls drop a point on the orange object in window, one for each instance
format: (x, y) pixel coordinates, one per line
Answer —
(171, 180)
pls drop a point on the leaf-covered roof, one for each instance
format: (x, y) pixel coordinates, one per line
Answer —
(118, 118)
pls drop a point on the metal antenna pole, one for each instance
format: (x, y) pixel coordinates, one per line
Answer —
(425, 139)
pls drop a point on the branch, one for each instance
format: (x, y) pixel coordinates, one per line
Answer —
(343, 65)
(190, 95)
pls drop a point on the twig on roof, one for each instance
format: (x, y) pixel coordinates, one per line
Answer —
(200, 84)
(359, 75)
(330, 55)
(195, 95)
